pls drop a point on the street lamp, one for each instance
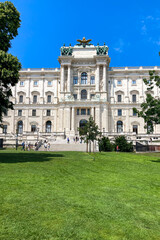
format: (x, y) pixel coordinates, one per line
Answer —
(37, 134)
(64, 133)
(16, 138)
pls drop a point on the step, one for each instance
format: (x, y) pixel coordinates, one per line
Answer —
(66, 147)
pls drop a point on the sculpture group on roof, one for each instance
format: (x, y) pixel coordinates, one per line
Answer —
(67, 51)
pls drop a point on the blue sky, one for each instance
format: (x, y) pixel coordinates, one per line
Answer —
(131, 29)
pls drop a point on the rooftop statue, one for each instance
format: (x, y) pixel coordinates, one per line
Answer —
(66, 51)
(102, 50)
(84, 42)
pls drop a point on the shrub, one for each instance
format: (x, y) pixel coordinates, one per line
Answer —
(123, 145)
(105, 145)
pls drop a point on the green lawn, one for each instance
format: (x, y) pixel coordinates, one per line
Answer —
(71, 196)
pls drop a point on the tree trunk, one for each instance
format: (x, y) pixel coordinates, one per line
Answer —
(89, 145)
(93, 145)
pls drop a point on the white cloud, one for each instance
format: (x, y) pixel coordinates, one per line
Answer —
(118, 50)
(150, 26)
(119, 45)
(150, 18)
(144, 30)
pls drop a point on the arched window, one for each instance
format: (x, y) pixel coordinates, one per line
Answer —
(84, 78)
(119, 126)
(48, 126)
(83, 94)
(20, 127)
(82, 123)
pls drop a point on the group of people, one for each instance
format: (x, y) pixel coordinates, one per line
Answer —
(75, 140)
(26, 146)
(47, 145)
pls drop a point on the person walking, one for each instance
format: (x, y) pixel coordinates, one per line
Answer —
(45, 146)
(117, 149)
(23, 146)
(48, 146)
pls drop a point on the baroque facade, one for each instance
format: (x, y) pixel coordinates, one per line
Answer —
(52, 103)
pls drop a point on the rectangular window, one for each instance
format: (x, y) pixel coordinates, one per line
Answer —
(19, 113)
(75, 96)
(134, 113)
(48, 112)
(21, 83)
(83, 111)
(21, 98)
(78, 111)
(133, 82)
(75, 80)
(49, 83)
(35, 83)
(49, 98)
(84, 78)
(119, 98)
(92, 80)
(33, 128)
(119, 82)
(119, 112)
(92, 96)
(88, 111)
(135, 129)
(133, 98)
(35, 99)
(33, 112)
(4, 129)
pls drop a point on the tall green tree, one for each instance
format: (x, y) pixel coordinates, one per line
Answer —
(150, 109)
(9, 65)
(89, 132)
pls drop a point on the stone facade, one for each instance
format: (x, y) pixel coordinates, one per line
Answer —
(51, 103)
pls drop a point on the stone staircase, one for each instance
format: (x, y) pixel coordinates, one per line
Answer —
(62, 145)
(65, 147)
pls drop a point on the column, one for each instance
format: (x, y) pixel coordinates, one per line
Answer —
(62, 78)
(106, 118)
(104, 79)
(67, 119)
(73, 118)
(92, 112)
(97, 79)
(98, 117)
(61, 117)
(56, 87)
(69, 79)
(43, 90)
(79, 94)
(55, 120)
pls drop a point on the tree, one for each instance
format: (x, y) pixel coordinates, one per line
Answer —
(105, 145)
(150, 109)
(89, 132)
(123, 145)
(9, 65)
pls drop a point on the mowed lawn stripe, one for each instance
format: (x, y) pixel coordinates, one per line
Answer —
(69, 195)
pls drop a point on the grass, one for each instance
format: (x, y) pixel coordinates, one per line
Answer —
(68, 196)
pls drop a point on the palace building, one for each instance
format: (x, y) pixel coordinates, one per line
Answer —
(54, 102)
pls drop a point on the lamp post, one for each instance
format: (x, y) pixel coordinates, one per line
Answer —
(16, 138)
(64, 133)
(37, 134)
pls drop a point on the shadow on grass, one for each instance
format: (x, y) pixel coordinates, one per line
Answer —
(156, 161)
(27, 157)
